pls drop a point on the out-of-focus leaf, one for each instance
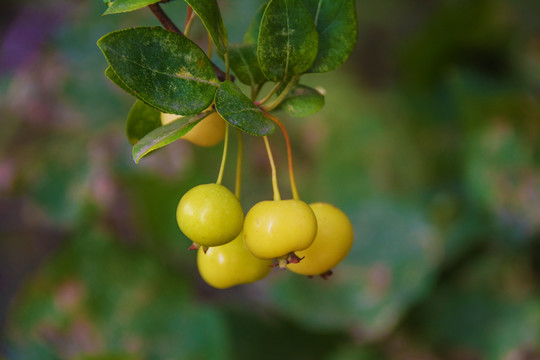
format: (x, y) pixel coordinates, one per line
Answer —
(303, 101)
(499, 169)
(287, 337)
(252, 34)
(244, 63)
(288, 40)
(57, 179)
(239, 111)
(165, 135)
(430, 54)
(357, 353)
(208, 12)
(487, 325)
(119, 6)
(106, 357)
(141, 120)
(388, 269)
(162, 68)
(337, 28)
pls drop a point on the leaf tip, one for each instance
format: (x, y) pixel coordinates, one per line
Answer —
(136, 157)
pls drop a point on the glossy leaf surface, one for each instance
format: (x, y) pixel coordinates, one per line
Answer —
(164, 69)
(337, 27)
(288, 40)
(165, 135)
(239, 111)
(141, 120)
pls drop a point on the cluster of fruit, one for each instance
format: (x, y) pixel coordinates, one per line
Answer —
(233, 249)
(181, 93)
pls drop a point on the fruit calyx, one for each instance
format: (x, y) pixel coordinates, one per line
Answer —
(283, 261)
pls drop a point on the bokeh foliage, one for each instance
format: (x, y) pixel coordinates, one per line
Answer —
(428, 140)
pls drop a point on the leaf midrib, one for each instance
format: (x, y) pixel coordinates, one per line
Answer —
(288, 47)
(123, 57)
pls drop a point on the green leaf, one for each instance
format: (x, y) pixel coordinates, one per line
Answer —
(208, 12)
(109, 72)
(244, 63)
(164, 69)
(252, 34)
(303, 101)
(164, 135)
(141, 120)
(288, 40)
(239, 111)
(337, 27)
(119, 6)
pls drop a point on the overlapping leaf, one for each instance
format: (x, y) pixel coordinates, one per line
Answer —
(288, 40)
(119, 6)
(208, 12)
(244, 63)
(164, 135)
(252, 34)
(239, 111)
(109, 72)
(337, 27)
(141, 120)
(164, 69)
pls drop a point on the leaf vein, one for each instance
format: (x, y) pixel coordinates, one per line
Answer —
(189, 78)
(288, 41)
(244, 110)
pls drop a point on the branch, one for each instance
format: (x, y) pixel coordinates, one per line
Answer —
(163, 18)
(167, 23)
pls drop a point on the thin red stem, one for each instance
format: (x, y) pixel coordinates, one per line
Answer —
(163, 18)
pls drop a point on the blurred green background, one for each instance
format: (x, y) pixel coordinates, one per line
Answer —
(429, 141)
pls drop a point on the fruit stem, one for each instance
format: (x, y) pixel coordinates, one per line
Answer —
(238, 185)
(269, 95)
(277, 196)
(283, 94)
(189, 20)
(224, 157)
(294, 189)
